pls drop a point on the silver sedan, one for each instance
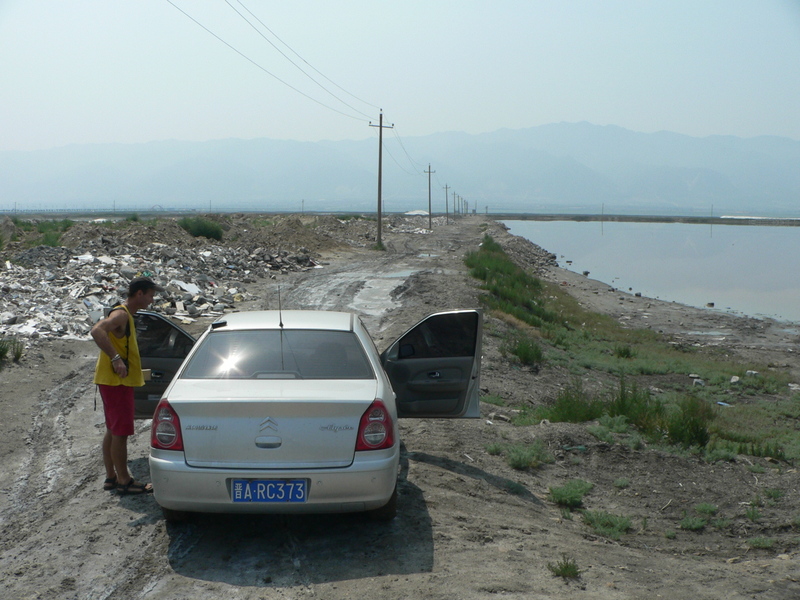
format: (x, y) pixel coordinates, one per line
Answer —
(296, 412)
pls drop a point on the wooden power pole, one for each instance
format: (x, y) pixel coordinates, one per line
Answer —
(380, 127)
(430, 221)
(446, 208)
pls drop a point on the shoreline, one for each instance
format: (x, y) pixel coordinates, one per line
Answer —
(751, 339)
(726, 273)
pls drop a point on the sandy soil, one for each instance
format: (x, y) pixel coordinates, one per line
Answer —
(460, 532)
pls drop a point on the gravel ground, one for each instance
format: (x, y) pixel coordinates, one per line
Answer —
(469, 526)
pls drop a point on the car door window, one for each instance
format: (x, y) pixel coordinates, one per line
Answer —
(447, 335)
(158, 338)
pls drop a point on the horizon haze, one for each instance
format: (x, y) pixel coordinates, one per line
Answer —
(564, 167)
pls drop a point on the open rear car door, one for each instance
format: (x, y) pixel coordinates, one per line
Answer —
(435, 366)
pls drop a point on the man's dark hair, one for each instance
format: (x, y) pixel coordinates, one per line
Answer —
(142, 284)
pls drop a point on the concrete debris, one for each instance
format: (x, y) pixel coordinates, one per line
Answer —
(61, 292)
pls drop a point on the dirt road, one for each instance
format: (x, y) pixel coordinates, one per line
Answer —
(460, 532)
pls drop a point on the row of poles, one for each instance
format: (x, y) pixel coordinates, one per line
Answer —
(460, 205)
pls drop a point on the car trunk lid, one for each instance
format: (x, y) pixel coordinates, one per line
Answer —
(247, 425)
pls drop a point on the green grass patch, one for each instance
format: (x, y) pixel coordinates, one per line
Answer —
(606, 524)
(494, 449)
(761, 543)
(525, 349)
(528, 456)
(200, 227)
(11, 348)
(493, 399)
(692, 523)
(572, 405)
(571, 494)
(566, 568)
(510, 289)
(774, 494)
(752, 513)
(706, 508)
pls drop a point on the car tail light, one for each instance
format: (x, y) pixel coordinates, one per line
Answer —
(375, 431)
(165, 432)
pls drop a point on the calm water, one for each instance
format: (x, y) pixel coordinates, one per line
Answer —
(751, 270)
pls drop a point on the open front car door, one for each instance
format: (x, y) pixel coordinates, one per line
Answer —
(435, 366)
(163, 346)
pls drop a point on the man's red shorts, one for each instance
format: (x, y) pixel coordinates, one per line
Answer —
(118, 407)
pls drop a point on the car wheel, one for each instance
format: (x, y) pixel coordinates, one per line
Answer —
(174, 516)
(387, 512)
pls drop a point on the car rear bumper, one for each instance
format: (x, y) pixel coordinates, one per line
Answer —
(366, 484)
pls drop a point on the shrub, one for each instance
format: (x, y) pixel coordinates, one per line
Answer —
(566, 568)
(688, 426)
(528, 457)
(494, 449)
(637, 405)
(761, 543)
(573, 405)
(706, 508)
(774, 494)
(199, 227)
(11, 346)
(528, 351)
(607, 524)
(571, 493)
(623, 351)
(51, 238)
(601, 433)
(693, 523)
(752, 513)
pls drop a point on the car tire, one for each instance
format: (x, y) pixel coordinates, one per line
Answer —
(387, 512)
(174, 516)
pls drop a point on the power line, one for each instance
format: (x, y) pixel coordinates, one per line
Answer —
(282, 53)
(411, 160)
(305, 61)
(243, 55)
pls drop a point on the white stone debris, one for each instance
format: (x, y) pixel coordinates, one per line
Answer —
(61, 292)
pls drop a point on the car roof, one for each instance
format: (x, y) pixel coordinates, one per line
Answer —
(291, 319)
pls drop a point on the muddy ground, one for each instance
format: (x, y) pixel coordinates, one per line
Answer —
(469, 526)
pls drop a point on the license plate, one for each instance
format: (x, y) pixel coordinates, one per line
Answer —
(269, 490)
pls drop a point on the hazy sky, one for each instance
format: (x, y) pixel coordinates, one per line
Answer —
(86, 71)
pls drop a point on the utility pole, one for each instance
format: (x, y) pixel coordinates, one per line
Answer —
(380, 127)
(454, 205)
(430, 221)
(446, 208)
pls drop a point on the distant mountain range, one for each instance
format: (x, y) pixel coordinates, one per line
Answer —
(565, 167)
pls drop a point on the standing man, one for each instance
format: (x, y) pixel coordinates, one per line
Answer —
(118, 371)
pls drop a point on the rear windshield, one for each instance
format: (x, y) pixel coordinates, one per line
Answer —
(276, 354)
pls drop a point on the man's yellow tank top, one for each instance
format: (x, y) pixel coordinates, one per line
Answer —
(128, 348)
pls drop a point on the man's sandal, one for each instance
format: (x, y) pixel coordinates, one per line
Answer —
(133, 487)
(110, 484)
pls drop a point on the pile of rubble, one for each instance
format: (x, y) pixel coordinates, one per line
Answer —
(61, 291)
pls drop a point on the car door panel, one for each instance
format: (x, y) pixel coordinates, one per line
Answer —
(434, 367)
(162, 346)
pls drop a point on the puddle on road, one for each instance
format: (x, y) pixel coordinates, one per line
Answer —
(374, 298)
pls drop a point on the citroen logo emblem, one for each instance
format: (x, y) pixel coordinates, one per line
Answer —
(268, 423)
